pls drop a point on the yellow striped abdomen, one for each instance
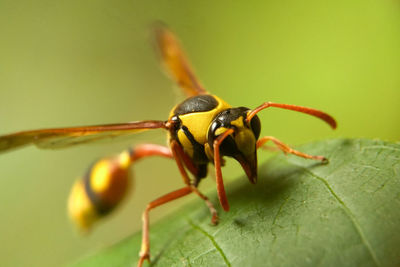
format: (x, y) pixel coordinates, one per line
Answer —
(100, 191)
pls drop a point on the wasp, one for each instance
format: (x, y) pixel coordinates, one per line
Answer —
(201, 130)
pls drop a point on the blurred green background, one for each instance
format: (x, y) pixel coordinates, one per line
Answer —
(89, 62)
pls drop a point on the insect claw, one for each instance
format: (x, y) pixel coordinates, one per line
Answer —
(143, 257)
(324, 160)
(214, 219)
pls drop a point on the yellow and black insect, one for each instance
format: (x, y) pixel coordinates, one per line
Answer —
(201, 130)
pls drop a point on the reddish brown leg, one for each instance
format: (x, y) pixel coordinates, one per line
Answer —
(146, 150)
(214, 214)
(139, 152)
(178, 153)
(145, 249)
(180, 158)
(286, 149)
(217, 164)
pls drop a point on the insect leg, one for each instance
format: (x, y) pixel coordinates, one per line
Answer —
(146, 150)
(287, 149)
(145, 248)
(214, 214)
(217, 163)
(182, 159)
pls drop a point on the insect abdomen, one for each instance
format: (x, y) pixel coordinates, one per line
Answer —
(100, 191)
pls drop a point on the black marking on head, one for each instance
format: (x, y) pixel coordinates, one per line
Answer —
(199, 103)
(255, 125)
(224, 119)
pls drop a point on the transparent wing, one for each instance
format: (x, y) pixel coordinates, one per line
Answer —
(174, 60)
(65, 137)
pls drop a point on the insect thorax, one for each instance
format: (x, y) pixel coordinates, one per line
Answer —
(194, 116)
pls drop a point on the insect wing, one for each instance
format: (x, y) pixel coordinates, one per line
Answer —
(65, 137)
(174, 60)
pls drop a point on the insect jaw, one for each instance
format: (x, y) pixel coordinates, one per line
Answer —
(240, 144)
(249, 165)
(245, 141)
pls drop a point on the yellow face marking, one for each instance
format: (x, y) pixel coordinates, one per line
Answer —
(245, 141)
(220, 130)
(238, 122)
(244, 138)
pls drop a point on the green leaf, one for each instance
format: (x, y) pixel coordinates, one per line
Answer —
(301, 213)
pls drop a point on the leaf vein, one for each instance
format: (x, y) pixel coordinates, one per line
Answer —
(349, 214)
(275, 237)
(219, 249)
(382, 147)
(280, 210)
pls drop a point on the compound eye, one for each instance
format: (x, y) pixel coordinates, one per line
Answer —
(214, 126)
(211, 132)
(255, 125)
